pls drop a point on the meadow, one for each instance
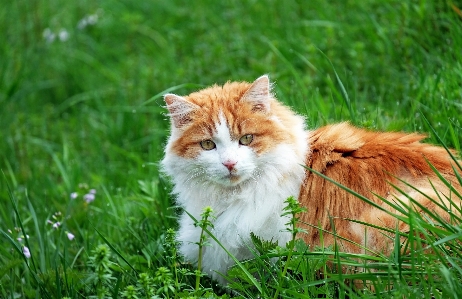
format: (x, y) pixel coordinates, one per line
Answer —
(85, 212)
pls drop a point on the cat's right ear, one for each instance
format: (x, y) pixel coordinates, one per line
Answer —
(180, 110)
(259, 94)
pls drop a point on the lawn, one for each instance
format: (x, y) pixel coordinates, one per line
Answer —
(85, 212)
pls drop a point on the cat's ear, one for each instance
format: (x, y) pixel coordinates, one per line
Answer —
(259, 94)
(180, 109)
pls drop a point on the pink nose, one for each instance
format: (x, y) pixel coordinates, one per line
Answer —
(229, 164)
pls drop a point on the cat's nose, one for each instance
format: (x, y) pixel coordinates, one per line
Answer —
(229, 164)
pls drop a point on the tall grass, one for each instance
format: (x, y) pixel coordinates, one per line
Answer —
(81, 109)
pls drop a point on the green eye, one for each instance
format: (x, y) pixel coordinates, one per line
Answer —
(207, 144)
(246, 139)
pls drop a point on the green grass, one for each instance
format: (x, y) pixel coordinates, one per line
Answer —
(87, 113)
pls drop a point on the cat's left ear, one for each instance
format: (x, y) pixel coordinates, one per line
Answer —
(180, 109)
(259, 94)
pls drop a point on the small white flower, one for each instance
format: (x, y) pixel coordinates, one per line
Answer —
(88, 20)
(26, 252)
(82, 23)
(83, 186)
(48, 35)
(92, 191)
(74, 195)
(70, 236)
(63, 35)
(92, 19)
(47, 32)
(56, 225)
(19, 239)
(89, 197)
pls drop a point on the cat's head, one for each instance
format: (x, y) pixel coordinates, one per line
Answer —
(227, 134)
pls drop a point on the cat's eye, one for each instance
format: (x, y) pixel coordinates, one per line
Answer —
(208, 144)
(246, 139)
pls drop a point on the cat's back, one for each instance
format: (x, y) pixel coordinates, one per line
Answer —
(366, 162)
(371, 164)
(334, 147)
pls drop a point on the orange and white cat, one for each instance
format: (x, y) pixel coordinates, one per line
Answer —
(238, 150)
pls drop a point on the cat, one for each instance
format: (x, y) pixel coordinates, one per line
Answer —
(237, 149)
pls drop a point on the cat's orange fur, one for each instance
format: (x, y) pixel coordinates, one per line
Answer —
(367, 162)
(364, 161)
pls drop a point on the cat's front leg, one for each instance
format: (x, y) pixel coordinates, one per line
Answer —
(188, 235)
(214, 259)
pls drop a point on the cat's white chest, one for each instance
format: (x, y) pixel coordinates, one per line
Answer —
(258, 212)
(255, 207)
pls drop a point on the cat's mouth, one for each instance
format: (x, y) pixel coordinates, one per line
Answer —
(233, 178)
